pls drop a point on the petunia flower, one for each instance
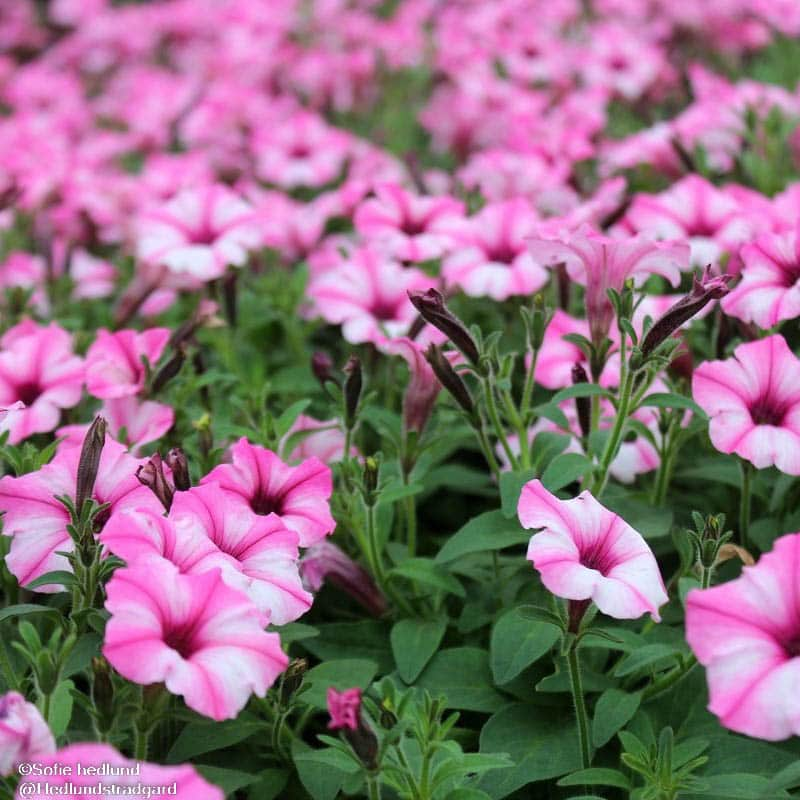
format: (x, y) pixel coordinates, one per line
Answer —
(746, 633)
(769, 291)
(37, 521)
(753, 400)
(199, 233)
(24, 735)
(39, 369)
(586, 552)
(322, 439)
(257, 555)
(202, 639)
(259, 481)
(344, 708)
(114, 365)
(98, 770)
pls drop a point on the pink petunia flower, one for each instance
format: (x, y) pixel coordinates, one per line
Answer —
(202, 639)
(601, 263)
(257, 555)
(747, 635)
(584, 551)
(322, 439)
(490, 256)
(367, 295)
(344, 708)
(259, 481)
(24, 735)
(199, 233)
(769, 291)
(406, 226)
(39, 369)
(37, 521)
(183, 781)
(753, 400)
(114, 366)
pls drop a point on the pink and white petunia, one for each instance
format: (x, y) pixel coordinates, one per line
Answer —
(322, 439)
(490, 255)
(259, 481)
(204, 640)
(199, 233)
(753, 400)
(38, 369)
(114, 362)
(37, 521)
(769, 291)
(257, 555)
(97, 762)
(24, 735)
(586, 552)
(406, 226)
(367, 294)
(600, 263)
(746, 633)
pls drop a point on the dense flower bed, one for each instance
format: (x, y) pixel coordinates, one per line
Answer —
(314, 314)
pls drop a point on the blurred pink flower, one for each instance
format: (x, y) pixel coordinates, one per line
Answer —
(753, 400)
(201, 638)
(24, 735)
(38, 368)
(259, 481)
(586, 552)
(322, 439)
(746, 634)
(114, 365)
(344, 708)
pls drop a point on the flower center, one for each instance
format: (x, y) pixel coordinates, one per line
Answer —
(768, 411)
(792, 647)
(203, 235)
(598, 556)
(503, 253)
(383, 310)
(264, 504)
(181, 640)
(412, 227)
(300, 150)
(29, 392)
(790, 274)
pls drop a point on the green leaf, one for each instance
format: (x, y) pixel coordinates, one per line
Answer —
(345, 673)
(614, 709)
(671, 400)
(464, 793)
(787, 778)
(564, 469)
(414, 641)
(647, 656)
(488, 531)
(285, 421)
(81, 656)
(597, 776)
(271, 783)
(24, 609)
(736, 786)
(398, 491)
(229, 780)
(511, 484)
(366, 638)
(517, 642)
(545, 447)
(542, 746)
(61, 702)
(322, 772)
(58, 577)
(426, 572)
(198, 738)
(462, 675)
(580, 390)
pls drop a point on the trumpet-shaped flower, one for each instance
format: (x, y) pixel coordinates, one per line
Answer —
(114, 365)
(24, 735)
(753, 400)
(259, 481)
(746, 633)
(586, 552)
(202, 639)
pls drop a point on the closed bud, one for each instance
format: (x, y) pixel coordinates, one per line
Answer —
(540, 318)
(293, 678)
(179, 466)
(322, 367)
(353, 385)
(433, 310)
(583, 405)
(102, 693)
(152, 476)
(449, 378)
(169, 370)
(370, 479)
(89, 461)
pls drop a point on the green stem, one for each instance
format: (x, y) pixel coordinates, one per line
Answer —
(519, 426)
(411, 524)
(745, 504)
(705, 577)
(527, 391)
(486, 448)
(494, 416)
(9, 675)
(595, 419)
(140, 742)
(373, 787)
(374, 554)
(580, 705)
(670, 679)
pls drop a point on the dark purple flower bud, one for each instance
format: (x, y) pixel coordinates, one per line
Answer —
(704, 290)
(449, 378)
(322, 367)
(583, 405)
(176, 461)
(352, 389)
(431, 307)
(152, 476)
(169, 370)
(89, 461)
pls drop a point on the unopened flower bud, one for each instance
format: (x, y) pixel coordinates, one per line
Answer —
(293, 678)
(583, 405)
(179, 466)
(89, 461)
(102, 694)
(704, 290)
(370, 479)
(449, 378)
(322, 367)
(540, 319)
(169, 370)
(433, 310)
(152, 476)
(345, 710)
(353, 385)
